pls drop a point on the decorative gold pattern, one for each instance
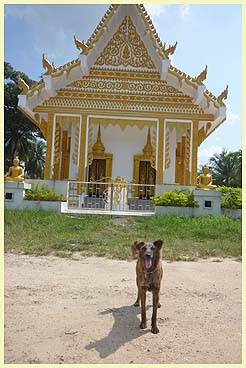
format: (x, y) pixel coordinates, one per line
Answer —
(161, 133)
(194, 152)
(167, 150)
(76, 145)
(48, 146)
(81, 173)
(98, 148)
(57, 147)
(125, 49)
(122, 86)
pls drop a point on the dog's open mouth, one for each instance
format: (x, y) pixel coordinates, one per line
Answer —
(148, 263)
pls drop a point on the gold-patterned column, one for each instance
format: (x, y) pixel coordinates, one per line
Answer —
(49, 143)
(81, 173)
(160, 168)
(194, 152)
(57, 144)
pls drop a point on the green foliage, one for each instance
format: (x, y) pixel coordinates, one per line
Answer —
(43, 194)
(231, 197)
(175, 199)
(226, 168)
(21, 136)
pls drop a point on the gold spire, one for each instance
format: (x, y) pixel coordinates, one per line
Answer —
(170, 50)
(23, 86)
(202, 76)
(148, 149)
(47, 65)
(81, 46)
(98, 147)
(223, 96)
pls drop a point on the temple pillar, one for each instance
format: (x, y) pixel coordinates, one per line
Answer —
(160, 156)
(49, 142)
(82, 151)
(194, 152)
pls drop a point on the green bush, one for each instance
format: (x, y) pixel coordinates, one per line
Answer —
(175, 199)
(231, 197)
(43, 194)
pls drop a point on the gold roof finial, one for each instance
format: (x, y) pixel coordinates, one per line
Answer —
(81, 46)
(98, 147)
(148, 149)
(170, 50)
(47, 65)
(202, 76)
(23, 86)
(223, 95)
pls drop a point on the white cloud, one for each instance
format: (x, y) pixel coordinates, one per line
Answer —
(232, 117)
(204, 154)
(155, 10)
(184, 10)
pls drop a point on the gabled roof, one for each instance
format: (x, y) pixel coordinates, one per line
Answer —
(157, 56)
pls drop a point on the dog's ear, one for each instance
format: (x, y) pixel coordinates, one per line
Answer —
(158, 244)
(136, 246)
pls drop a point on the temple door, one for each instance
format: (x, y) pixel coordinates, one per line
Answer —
(97, 172)
(147, 175)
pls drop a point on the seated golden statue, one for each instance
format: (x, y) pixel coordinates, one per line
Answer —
(15, 173)
(205, 180)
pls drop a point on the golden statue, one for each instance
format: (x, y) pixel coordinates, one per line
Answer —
(205, 180)
(15, 173)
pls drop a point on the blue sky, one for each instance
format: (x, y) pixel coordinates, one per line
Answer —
(206, 34)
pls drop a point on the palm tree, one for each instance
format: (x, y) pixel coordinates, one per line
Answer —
(226, 168)
(34, 165)
(19, 133)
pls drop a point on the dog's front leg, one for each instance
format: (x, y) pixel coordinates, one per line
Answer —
(154, 328)
(143, 308)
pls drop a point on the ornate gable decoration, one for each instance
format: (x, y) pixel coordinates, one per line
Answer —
(125, 49)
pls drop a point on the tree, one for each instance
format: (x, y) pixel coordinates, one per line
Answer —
(226, 168)
(35, 165)
(20, 134)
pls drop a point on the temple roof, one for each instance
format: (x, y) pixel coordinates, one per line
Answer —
(125, 40)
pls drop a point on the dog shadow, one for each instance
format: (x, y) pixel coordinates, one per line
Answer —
(125, 328)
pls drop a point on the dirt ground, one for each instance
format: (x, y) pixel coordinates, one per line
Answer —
(80, 311)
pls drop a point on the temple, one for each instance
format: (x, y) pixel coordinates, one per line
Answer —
(121, 109)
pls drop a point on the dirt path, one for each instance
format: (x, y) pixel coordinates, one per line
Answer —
(66, 311)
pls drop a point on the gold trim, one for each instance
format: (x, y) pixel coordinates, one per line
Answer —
(195, 137)
(81, 173)
(47, 169)
(160, 168)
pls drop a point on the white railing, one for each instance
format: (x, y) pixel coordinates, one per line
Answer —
(110, 196)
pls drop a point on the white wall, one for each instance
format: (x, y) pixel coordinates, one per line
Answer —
(123, 144)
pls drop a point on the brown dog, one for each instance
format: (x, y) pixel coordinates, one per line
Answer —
(149, 275)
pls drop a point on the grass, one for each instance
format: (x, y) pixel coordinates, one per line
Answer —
(43, 233)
